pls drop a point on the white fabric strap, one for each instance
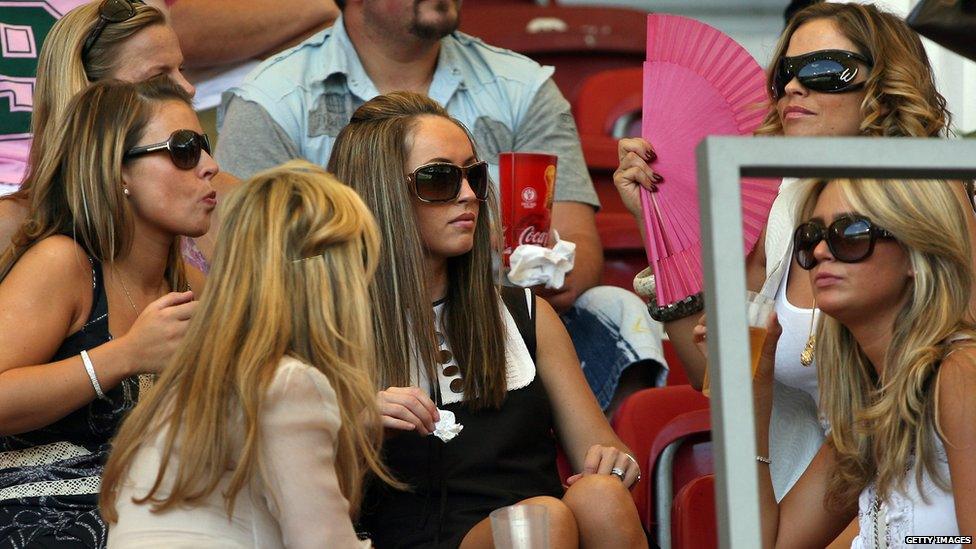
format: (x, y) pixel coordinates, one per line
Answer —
(90, 368)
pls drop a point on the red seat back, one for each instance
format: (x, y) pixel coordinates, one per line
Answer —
(693, 522)
(577, 40)
(639, 421)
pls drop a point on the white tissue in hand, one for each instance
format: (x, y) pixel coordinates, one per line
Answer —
(531, 265)
(447, 428)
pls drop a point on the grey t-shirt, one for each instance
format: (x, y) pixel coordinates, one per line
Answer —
(251, 141)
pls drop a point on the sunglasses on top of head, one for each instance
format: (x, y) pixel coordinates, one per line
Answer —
(109, 11)
(441, 181)
(850, 239)
(826, 71)
(184, 148)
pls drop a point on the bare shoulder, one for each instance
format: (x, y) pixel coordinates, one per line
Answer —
(58, 257)
(956, 387)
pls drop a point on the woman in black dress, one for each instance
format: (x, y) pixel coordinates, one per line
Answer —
(450, 340)
(93, 299)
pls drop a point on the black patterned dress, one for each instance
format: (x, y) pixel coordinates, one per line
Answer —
(50, 477)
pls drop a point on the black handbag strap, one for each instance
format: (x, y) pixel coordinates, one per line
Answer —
(521, 304)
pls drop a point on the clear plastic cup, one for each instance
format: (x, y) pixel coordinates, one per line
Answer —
(759, 308)
(520, 527)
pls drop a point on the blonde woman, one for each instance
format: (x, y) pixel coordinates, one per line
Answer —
(103, 39)
(93, 297)
(261, 429)
(451, 344)
(890, 266)
(891, 92)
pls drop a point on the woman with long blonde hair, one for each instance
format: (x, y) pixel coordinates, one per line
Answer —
(126, 40)
(261, 429)
(475, 380)
(890, 266)
(874, 80)
(95, 297)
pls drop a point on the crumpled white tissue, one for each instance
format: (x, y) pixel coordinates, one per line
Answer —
(531, 265)
(447, 428)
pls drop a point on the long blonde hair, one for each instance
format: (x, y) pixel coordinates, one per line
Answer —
(371, 155)
(290, 277)
(880, 424)
(80, 173)
(901, 98)
(62, 73)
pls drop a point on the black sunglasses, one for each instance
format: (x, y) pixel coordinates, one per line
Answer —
(441, 181)
(184, 148)
(110, 11)
(827, 71)
(849, 238)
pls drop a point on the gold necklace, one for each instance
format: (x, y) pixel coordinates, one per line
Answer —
(124, 289)
(806, 357)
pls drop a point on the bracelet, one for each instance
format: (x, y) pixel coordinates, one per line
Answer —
(763, 459)
(90, 368)
(688, 306)
(644, 285)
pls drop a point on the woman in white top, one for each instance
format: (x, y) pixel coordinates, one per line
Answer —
(890, 266)
(887, 90)
(261, 430)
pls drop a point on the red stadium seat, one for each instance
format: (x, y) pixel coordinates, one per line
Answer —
(578, 41)
(638, 422)
(694, 523)
(681, 452)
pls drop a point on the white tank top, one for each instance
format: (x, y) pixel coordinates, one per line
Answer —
(796, 331)
(908, 514)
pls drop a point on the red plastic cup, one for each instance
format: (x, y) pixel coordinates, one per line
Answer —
(527, 182)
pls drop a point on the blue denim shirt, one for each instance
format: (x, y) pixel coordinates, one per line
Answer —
(507, 101)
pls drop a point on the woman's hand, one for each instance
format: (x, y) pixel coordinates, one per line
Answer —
(604, 460)
(158, 331)
(698, 334)
(634, 172)
(768, 358)
(407, 409)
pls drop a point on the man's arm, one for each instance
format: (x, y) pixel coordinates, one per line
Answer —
(549, 126)
(251, 140)
(213, 32)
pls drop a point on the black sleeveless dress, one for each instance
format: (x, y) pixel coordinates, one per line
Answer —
(500, 458)
(49, 477)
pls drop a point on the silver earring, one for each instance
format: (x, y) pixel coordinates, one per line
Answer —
(125, 191)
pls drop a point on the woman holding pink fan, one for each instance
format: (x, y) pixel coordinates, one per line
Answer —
(838, 70)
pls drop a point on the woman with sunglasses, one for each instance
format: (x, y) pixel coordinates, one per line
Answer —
(838, 70)
(275, 377)
(890, 266)
(477, 379)
(95, 298)
(127, 40)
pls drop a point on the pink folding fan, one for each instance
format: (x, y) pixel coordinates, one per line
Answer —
(697, 82)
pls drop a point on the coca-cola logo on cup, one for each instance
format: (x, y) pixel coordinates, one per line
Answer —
(529, 196)
(532, 236)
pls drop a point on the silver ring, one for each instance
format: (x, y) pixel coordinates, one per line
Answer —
(618, 472)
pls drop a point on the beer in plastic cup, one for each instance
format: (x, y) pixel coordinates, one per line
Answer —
(758, 310)
(520, 527)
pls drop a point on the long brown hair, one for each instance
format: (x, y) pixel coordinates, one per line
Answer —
(62, 73)
(79, 173)
(879, 424)
(371, 155)
(901, 98)
(291, 277)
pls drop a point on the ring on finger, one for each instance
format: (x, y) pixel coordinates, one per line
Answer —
(618, 472)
